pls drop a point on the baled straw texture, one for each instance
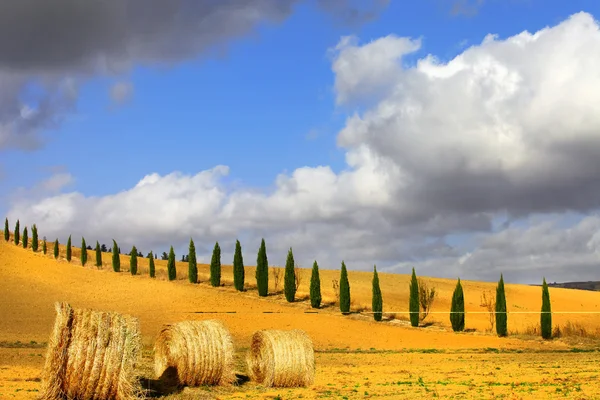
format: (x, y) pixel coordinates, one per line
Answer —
(281, 358)
(201, 351)
(92, 356)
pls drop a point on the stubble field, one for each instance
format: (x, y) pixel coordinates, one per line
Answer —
(355, 356)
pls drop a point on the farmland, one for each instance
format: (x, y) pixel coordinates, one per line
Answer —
(355, 356)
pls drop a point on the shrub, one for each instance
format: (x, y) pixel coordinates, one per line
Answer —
(17, 233)
(377, 301)
(84, 254)
(98, 255)
(34, 238)
(44, 247)
(344, 290)
(25, 239)
(546, 316)
(215, 266)
(192, 265)
(171, 267)
(501, 315)
(116, 260)
(289, 279)
(56, 248)
(151, 269)
(69, 249)
(276, 278)
(262, 270)
(238, 267)
(413, 304)
(489, 303)
(426, 298)
(133, 261)
(6, 232)
(457, 310)
(315, 287)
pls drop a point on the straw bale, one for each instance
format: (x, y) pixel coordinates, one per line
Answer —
(201, 351)
(92, 355)
(279, 358)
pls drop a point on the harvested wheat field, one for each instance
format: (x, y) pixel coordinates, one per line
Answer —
(355, 357)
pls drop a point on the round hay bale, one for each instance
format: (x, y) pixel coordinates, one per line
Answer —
(201, 351)
(92, 355)
(281, 358)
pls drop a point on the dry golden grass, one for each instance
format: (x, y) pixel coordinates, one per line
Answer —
(281, 358)
(385, 353)
(91, 355)
(201, 351)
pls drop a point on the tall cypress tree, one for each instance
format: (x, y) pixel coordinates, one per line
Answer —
(116, 260)
(289, 279)
(34, 238)
(262, 270)
(56, 248)
(546, 316)
(44, 247)
(171, 267)
(413, 304)
(84, 253)
(98, 255)
(215, 266)
(69, 249)
(151, 269)
(17, 233)
(25, 238)
(133, 261)
(6, 232)
(457, 309)
(315, 287)
(238, 267)
(192, 265)
(344, 290)
(377, 302)
(501, 315)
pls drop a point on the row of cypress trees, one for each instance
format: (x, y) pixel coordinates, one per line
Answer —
(457, 310)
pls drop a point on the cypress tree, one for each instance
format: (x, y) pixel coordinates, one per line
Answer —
(289, 279)
(377, 302)
(546, 316)
(344, 290)
(69, 249)
(215, 266)
(56, 248)
(171, 268)
(98, 255)
(116, 260)
(192, 265)
(413, 305)
(238, 267)
(151, 269)
(25, 238)
(315, 287)
(6, 232)
(17, 233)
(457, 310)
(34, 238)
(262, 270)
(133, 261)
(501, 316)
(44, 247)
(84, 253)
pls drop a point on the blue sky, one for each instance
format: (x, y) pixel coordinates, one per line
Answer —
(264, 106)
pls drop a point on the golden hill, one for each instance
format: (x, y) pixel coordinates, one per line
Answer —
(32, 282)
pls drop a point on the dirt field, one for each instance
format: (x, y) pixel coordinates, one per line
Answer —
(356, 357)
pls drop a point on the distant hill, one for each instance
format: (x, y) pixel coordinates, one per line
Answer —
(589, 285)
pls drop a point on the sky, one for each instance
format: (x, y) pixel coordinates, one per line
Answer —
(461, 138)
